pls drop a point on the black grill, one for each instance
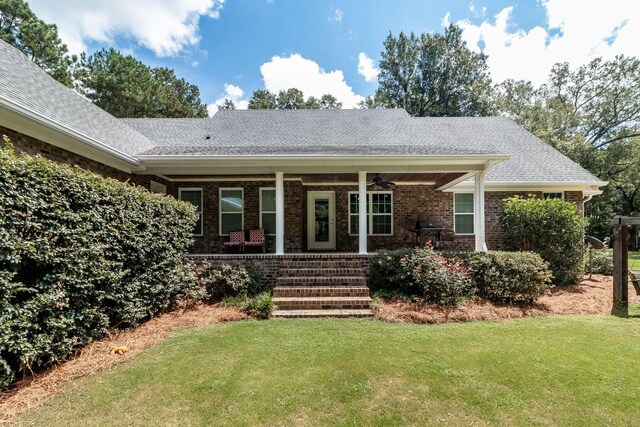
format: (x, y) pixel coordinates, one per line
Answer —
(428, 230)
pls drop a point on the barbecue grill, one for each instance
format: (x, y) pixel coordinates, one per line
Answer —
(432, 231)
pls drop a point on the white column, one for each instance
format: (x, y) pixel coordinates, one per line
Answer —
(279, 213)
(362, 212)
(478, 210)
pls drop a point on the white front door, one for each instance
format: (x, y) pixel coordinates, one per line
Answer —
(321, 224)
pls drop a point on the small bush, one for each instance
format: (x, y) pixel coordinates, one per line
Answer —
(441, 280)
(387, 275)
(602, 261)
(260, 306)
(509, 277)
(232, 280)
(551, 228)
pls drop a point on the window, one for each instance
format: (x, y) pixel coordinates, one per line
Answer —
(193, 196)
(268, 210)
(463, 213)
(558, 195)
(231, 210)
(379, 213)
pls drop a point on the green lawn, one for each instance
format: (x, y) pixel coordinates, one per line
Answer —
(634, 260)
(580, 370)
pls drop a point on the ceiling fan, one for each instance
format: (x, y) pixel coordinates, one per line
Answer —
(378, 182)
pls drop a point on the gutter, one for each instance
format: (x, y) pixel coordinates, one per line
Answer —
(53, 124)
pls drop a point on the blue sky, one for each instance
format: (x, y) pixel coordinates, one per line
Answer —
(231, 48)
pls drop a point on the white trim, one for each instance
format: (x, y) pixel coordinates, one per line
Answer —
(228, 179)
(547, 187)
(53, 124)
(279, 213)
(369, 214)
(473, 214)
(261, 189)
(413, 158)
(180, 190)
(220, 213)
(354, 184)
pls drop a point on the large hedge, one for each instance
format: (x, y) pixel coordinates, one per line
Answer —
(552, 228)
(80, 254)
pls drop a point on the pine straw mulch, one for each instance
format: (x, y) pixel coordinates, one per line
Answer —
(35, 390)
(590, 296)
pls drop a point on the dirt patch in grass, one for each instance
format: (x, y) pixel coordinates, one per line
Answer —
(590, 296)
(98, 356)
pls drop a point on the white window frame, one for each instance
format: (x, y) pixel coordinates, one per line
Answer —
(220, 213)
(552, 192)
(180, 190)
(473, 214)
(370, 213)
(262, 211)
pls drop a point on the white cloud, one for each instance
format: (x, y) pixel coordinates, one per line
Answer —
(599, 29)
(338, 14)
(446, 20)
(165, 27)
(297, 72)
(366, 67)
(233, 93)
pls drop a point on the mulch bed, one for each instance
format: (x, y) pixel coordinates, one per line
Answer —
(97, 356)
(590, 296)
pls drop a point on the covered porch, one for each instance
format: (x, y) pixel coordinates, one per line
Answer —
(319, 203)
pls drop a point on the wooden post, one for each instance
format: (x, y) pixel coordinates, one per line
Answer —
(620, 267)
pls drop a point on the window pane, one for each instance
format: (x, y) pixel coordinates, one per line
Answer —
(381, 203)
(464, 224)
(231, 201)
(197, 229)
(231, 222)
(268, 200)
(354, 203)
(354, 223)
(552, 195)
(381, 224)
(192, 196)
(269, 222)
(463, 203)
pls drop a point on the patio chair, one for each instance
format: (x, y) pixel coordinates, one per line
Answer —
(257, 239)
(236, 240)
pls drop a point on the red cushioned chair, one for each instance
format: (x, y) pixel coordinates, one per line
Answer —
(236, 240)
(257, 239)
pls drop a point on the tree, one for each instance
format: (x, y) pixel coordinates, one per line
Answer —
(291, 99)
(21, 28)
(227, 104)
(262, 99)
(125, 87)
(434, 75)
(592, 115)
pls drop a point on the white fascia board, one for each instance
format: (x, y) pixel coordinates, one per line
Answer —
(549, 186)
(30, 114)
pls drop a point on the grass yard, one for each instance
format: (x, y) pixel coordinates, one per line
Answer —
(569, 370)
(634, 260)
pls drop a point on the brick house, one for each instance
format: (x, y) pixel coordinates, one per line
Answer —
(305, 176)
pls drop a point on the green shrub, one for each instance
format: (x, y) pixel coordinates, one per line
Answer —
(509, 277)
(388, 277)
(551, 228)
(440, 280)
(602, 261)
(80, 254)
(231, 280)
(260, 305)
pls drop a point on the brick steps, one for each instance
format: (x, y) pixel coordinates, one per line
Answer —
(321, 313)
(321, 291)
(322, 303)
(326, 286)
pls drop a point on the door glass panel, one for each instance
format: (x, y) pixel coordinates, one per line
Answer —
(322, 220)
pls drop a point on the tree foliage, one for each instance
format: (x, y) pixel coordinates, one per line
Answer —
(21, 28)
(433, 75)
(125, 87)
(291, 99)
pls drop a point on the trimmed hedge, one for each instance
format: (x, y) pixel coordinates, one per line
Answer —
(551, 228)
(509, 277)
(232, 280)
(80, 254)
(602, 261)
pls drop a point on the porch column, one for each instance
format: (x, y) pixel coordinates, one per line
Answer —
(478, 209)
(279, 213)
(362, 212)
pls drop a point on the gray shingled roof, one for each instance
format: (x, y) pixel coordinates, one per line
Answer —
(301, 132)
(363, 132)
(25, 83)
